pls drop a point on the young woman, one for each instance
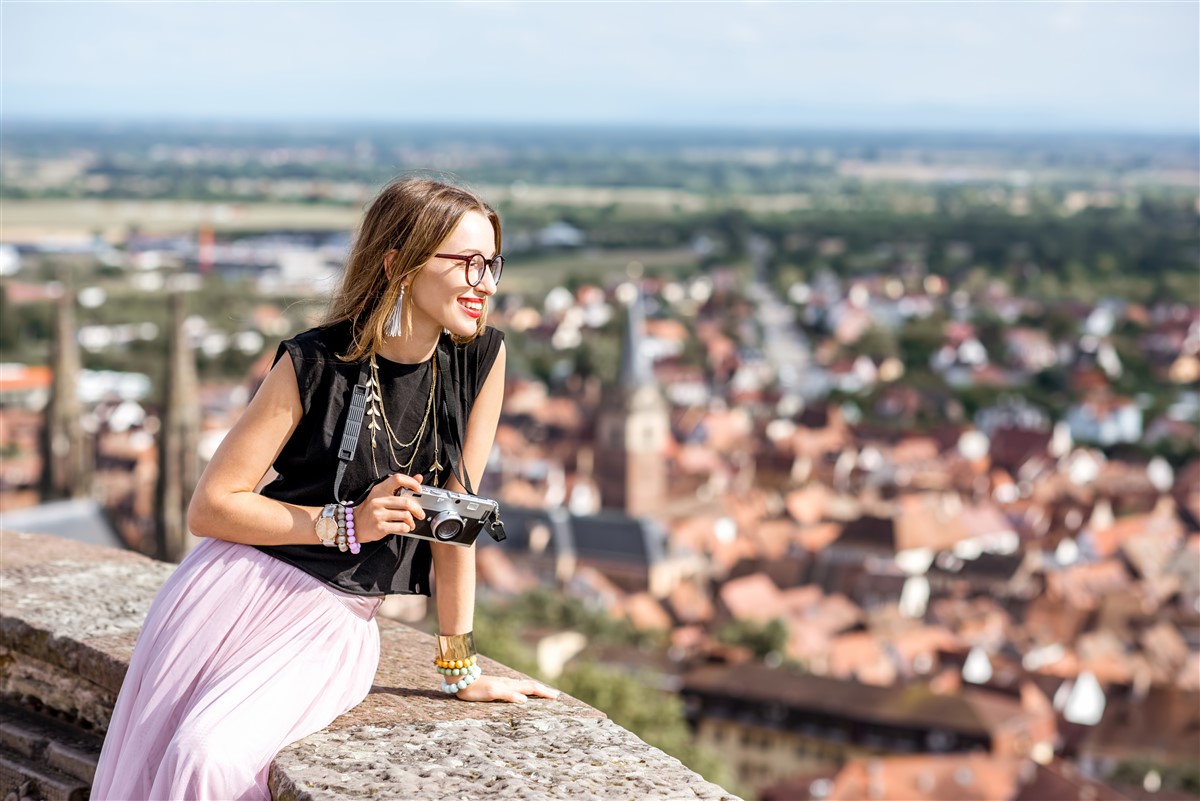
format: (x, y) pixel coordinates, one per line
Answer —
(266, 632)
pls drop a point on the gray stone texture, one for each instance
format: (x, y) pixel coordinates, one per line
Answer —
(69, 616)
(510, 756)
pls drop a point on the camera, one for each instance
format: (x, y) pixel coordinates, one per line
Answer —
(454, 518)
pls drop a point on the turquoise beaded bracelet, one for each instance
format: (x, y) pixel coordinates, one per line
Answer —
(469, 675)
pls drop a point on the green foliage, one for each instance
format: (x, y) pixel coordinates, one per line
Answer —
(630, 701)
(598, 356)
(26, 329)
(761, 638)
(1059, 325)
(498, 635)
(878, 343)
(10, 327)
(543, 607)
(650, 714)
(919, 339)
(990, 331)
(1179, 778)
(1051, 390)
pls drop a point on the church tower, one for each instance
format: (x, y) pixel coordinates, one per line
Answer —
(632, 430)
(178, 441)
(66, 451)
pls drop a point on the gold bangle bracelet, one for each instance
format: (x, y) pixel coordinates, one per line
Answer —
(456, 646)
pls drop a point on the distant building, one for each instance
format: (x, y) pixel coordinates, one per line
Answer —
(25, 386)
(10, 260)
(1012, 412)
(632, 553)
(944, 777)
(773, 724)
(560, 235)
(632, 431)
(1105, 420)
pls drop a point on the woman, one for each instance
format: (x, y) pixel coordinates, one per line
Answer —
(266, 633)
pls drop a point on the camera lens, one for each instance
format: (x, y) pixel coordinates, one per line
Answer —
(446, 526)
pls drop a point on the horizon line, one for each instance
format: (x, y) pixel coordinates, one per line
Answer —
(632, 126)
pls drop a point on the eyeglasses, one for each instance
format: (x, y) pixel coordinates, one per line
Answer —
(476, 264)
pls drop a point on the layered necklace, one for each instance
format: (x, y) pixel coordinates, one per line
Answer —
(379, 422)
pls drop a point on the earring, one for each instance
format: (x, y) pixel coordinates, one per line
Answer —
(395, 324)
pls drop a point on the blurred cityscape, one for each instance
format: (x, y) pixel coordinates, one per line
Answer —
(839, 466)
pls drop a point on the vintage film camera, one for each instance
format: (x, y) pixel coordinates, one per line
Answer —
(454, 518)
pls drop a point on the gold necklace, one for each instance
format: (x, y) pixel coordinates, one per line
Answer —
(377, 413)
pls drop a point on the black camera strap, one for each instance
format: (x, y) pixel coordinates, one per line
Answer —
(354, 418)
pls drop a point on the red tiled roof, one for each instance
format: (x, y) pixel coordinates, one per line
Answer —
(808, 505)
(914, 449)
(754, 597)
(860, 655)
(1106, 542)
(943, 777)
(690, 604)
(645, 613)
(497, 571)
(815, 538)
(923, 640)
(1082, 586)
(24, 377)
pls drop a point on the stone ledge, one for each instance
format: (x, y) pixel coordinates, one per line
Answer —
(70, 613)
(544, 756)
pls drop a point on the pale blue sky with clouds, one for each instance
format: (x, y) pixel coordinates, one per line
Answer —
(962, 65)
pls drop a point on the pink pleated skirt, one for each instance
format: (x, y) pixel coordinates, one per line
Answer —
(240, 655)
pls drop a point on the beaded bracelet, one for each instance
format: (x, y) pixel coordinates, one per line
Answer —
(455, 663)
(351, 542)
(456, 657)
(462, 671)
(471, 675)
(341, 534)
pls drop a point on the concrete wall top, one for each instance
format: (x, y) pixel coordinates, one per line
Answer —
(70, 614)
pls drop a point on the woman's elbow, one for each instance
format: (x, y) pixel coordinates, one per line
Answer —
(202, 514)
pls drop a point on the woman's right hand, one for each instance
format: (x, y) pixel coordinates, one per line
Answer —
(384, 512)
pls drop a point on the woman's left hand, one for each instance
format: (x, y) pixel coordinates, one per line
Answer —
(498, 688)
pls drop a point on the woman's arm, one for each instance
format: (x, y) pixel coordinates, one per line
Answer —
(454, 566)
(226, 506)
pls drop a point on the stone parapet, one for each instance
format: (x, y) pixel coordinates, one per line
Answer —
(69, 617)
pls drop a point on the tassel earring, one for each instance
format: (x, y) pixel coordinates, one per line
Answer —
(395, 323)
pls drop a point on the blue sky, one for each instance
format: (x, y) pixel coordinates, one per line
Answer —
(1125, 66)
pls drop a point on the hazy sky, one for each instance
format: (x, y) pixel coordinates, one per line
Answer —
(957, 65)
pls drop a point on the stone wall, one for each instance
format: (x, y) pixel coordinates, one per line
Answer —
(69, 616)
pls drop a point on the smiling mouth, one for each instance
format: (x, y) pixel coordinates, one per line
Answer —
(472, 305)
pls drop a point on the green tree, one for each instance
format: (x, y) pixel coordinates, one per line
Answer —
(1178, 778)
(879, 343)
(10, 327)
(760, 638)
(630, 701)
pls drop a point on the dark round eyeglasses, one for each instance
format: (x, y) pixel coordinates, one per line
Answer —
(476, 264)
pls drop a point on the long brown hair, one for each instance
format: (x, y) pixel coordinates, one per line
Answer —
(411, 216)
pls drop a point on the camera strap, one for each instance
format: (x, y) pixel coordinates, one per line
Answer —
(354, 418)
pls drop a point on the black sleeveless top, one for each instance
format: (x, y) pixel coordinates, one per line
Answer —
(308, 463)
